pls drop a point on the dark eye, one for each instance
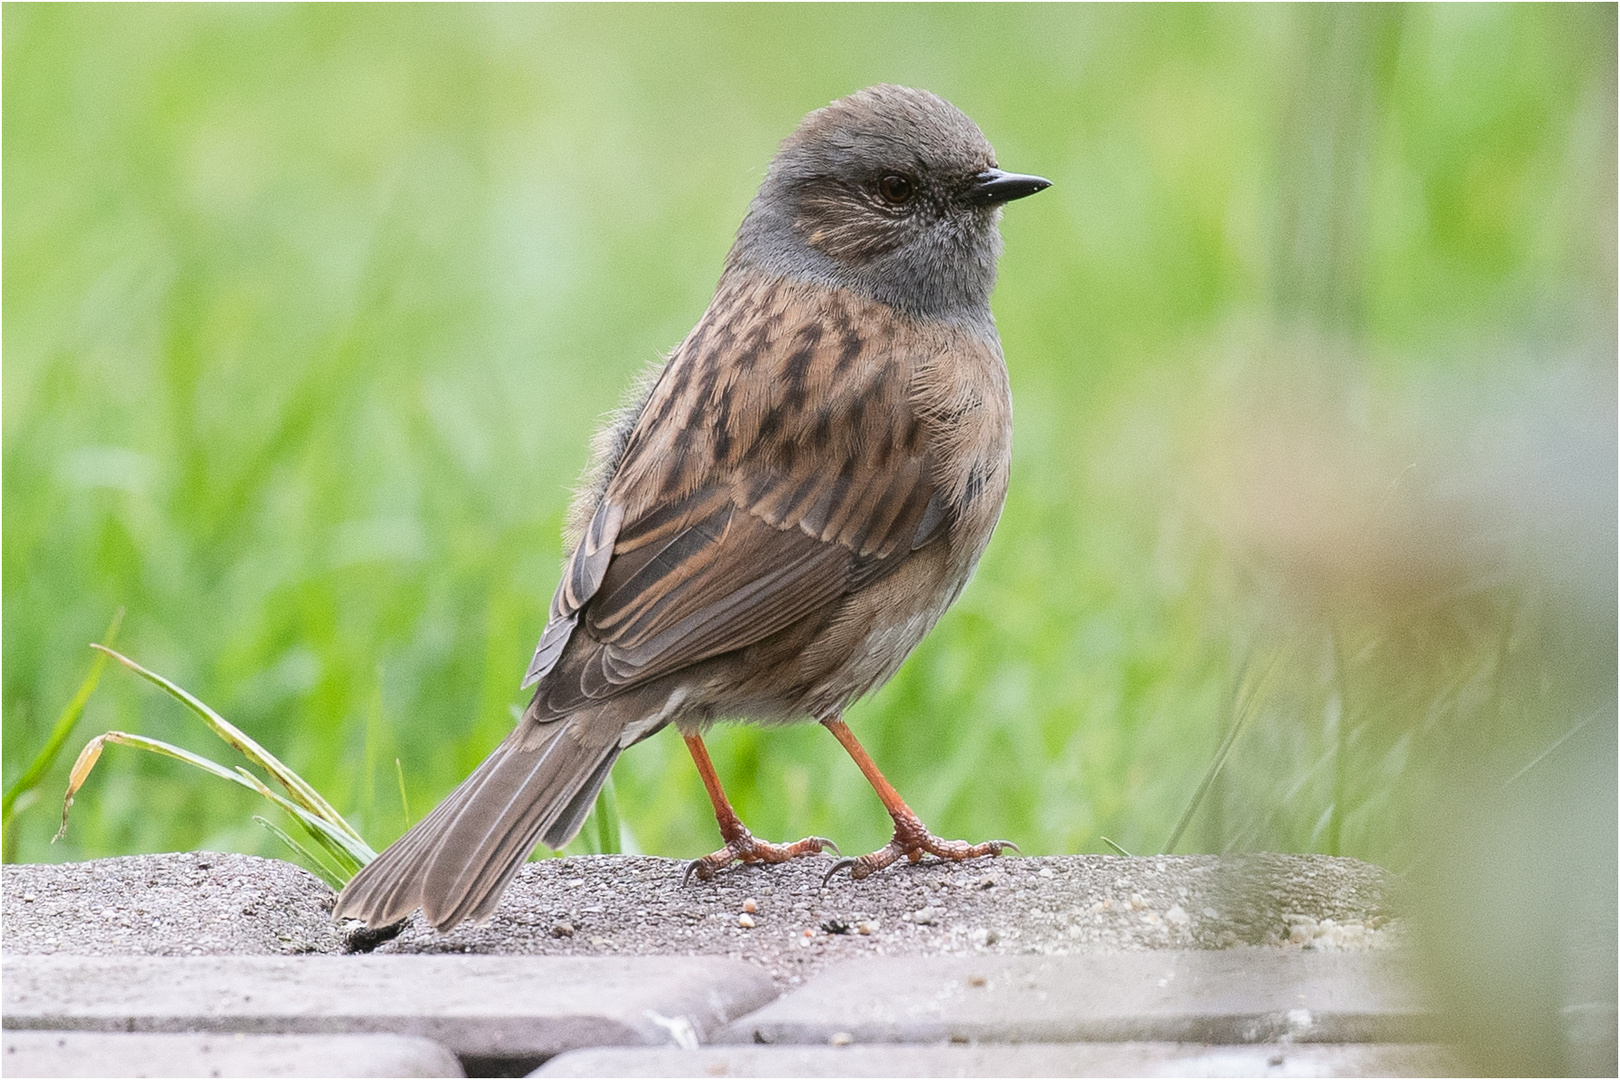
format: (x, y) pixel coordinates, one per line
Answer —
(896, 188)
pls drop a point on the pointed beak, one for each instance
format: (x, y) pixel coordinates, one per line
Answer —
(995, 186)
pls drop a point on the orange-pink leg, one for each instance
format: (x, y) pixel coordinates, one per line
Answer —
(911, 838)
(741, 845)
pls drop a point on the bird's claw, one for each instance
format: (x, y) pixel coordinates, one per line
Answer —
(747, 849)
(912, 845)
(841, 864)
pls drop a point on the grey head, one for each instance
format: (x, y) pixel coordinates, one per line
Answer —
(892, 193)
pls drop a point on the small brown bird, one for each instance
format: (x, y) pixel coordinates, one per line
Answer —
(789, 506)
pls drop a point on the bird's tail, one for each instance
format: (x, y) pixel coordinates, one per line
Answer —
(539, 784)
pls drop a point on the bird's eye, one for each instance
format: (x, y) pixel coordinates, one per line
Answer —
(896, 188)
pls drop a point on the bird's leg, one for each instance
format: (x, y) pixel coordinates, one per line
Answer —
(911, 837)
(741, 845)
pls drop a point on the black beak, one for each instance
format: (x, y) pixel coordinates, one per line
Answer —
(995, 186)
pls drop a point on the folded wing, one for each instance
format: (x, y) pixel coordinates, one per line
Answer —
(740, 508)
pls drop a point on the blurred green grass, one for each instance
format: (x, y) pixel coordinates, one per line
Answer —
(309, 312)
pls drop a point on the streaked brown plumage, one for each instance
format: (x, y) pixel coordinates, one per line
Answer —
(803, 491)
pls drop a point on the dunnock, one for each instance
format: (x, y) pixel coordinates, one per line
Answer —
(789, 506)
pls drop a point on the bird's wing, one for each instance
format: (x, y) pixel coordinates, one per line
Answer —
(580, 580)
(778, 465)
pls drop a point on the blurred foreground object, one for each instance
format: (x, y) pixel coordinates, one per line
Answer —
(1437, 554)
(1465, 602)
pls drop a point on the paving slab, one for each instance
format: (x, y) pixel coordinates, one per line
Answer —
(80, 1053)
(1233, 996)
(200, 903)
(1084, 1059)
(506, 1008)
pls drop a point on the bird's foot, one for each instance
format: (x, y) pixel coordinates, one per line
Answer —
(912, 841)
(743, 846)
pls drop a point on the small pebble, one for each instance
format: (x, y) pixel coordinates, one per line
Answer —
(30, 897)
(562, 929)
(1211, 913)
(745, 921)
(1046, 872)
(867, 927)
(923, 916)
(599, 941)
(841, 1038)
(986, 882)
(1137, 903)
(976, 980)
(1177, 915)
(750, 905)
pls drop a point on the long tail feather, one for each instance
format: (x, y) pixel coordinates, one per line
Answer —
(455, 863)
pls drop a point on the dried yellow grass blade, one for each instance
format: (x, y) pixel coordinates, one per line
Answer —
(81, 769)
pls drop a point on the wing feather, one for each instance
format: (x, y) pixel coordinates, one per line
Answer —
(751, 504)
(580, 580)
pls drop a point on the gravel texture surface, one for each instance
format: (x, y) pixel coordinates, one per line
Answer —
(195, 903)
(781, 917)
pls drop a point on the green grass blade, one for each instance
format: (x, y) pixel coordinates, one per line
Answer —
(1245, 708)
(351, 855)
(324, 825)
(300, 790)
(92, 753)
(318, 865)
(1539, 758)
(607, 820)
(323, 832)
(404, 803)
(65, 723)
(1115, 847)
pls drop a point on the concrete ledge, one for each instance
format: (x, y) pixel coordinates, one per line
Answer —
(184, 903)
(508, 1008)
(1097, 1059)
(1234, 996)
(78, 1053)
(199, 903)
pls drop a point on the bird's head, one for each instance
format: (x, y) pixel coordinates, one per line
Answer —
(891, 192)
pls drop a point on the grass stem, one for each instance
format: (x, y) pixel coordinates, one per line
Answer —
(65, 723)
(1243, 708)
